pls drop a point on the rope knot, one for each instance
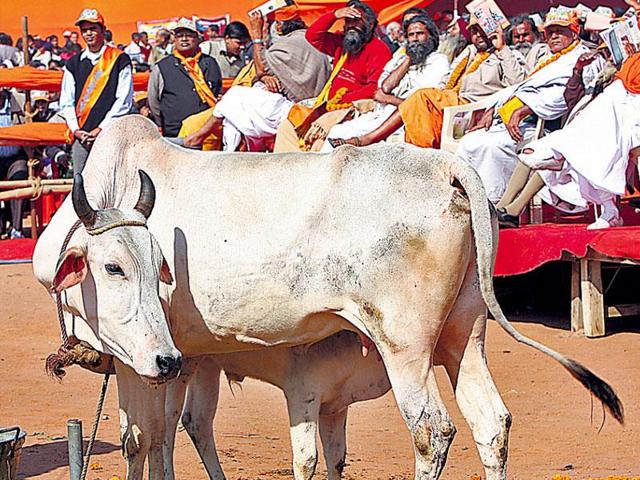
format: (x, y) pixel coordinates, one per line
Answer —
(76, 352)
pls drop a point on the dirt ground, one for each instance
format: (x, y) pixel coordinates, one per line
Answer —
(553, 429)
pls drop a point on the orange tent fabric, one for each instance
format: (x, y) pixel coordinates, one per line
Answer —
(34, 134)
(29, 78)
(54, 17)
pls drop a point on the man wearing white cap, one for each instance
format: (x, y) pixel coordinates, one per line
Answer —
(97, 86)
(505, 128)
(184, 83)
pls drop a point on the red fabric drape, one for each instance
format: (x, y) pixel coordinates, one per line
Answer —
(521, 250)
(34, 134)
(29, 78)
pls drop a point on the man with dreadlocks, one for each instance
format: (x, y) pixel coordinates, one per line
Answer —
(417, 65)
(482, 69)
(358, 60)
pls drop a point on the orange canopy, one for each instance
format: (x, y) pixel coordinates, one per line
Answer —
(54, 17)
(29, 78)
(34, 134)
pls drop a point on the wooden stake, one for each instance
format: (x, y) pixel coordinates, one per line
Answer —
(592, 297)
(576, 297)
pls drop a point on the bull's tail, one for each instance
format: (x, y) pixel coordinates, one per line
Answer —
(485, 233)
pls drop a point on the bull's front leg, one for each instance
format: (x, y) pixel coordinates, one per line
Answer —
(199, 412)
(142, 423)
(304, 410)
(174, 402)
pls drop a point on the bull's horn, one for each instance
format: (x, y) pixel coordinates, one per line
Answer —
(86, 214)
(147, 197)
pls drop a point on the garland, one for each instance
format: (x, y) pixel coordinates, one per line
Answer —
(336, 103)
(456, 74)
(461, 70)
(554, 57)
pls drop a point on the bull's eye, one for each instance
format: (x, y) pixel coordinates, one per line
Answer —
(113, 269)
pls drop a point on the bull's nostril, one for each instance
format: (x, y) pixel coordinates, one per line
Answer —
(169, 366)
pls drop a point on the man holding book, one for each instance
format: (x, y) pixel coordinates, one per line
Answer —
(483, 68)
(492, 148)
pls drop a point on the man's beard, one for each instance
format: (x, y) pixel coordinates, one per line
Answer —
(524, 48)
(353, 41)
(419, 51)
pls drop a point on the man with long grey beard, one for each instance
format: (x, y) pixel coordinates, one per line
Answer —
(358, 58)
(526, 40)
(417, 65)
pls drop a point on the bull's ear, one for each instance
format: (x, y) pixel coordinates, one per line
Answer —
(165, 273)
(72, 270)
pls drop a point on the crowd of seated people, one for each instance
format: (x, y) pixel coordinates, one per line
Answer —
(314, 87)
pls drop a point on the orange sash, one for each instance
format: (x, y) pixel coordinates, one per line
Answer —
(302, 117)
(95, 83)
(195, 72)
(630, 73)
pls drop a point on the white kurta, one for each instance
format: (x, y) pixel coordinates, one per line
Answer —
(429, 75)
(596, 146)
(250, 111)
(493, 152)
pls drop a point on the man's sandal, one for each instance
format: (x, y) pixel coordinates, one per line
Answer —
(337, 142)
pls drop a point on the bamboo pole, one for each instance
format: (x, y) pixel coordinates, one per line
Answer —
(32, 192)
(25, 52)
(9, 184)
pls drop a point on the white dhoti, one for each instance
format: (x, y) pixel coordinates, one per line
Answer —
(596, 146)
(361, 125)
(250, 111)
(494, 155)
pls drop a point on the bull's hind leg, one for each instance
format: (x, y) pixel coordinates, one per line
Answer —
(406, 341)
(333, 429)
(416, 286)
(461, 350)
(418, 398)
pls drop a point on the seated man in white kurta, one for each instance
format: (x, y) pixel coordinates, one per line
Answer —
(587, 160)
(493, 146)
(418, 65)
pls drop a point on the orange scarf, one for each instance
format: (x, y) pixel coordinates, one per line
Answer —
(95, 83)
(461, 71)
(630, 73)
(195, 72)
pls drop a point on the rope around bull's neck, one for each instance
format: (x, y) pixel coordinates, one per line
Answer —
(105, 381)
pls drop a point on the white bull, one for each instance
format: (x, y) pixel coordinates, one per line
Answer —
(284, 250)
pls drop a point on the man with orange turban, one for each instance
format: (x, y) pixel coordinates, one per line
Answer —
(587, 160)
(493, 147)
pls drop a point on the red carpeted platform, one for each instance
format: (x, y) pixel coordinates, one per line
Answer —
(523, 249)
(16, 251)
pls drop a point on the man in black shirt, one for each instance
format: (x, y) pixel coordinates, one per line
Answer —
(184, 83)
